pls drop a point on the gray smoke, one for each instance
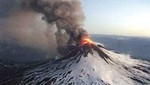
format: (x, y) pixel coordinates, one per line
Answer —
(42, 23)
(66, 14)
(26, 27)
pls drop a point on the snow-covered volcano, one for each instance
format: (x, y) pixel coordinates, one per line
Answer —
(99, 68)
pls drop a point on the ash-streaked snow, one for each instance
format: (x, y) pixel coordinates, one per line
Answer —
(91, 70)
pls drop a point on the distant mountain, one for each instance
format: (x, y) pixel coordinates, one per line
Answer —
(137, 47)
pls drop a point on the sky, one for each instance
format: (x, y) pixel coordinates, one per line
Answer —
(117, 17)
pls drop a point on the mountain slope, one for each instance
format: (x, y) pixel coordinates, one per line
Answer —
(94, 69)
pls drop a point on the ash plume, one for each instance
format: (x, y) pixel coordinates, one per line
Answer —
(67, 16)
(42, 23)
(26, 27)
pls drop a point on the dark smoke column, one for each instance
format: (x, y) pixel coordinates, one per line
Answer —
(66, 14)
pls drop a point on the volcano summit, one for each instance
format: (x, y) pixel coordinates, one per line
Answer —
(102, 67)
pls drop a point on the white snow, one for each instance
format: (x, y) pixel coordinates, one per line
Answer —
(92, 70)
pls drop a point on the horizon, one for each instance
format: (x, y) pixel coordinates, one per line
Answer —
(122, 35)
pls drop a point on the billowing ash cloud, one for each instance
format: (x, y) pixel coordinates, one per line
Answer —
(66, 14)
(42, 23)
(26, 27)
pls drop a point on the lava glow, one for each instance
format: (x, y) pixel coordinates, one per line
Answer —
(86, 40)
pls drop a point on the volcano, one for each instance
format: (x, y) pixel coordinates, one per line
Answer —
(90, 64)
